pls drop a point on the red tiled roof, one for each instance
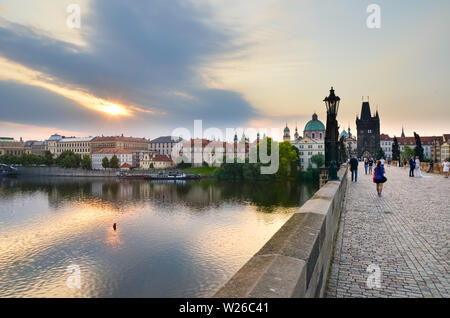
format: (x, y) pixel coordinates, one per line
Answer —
(426, 140)
(118, 138)
(114, 151)
(385, 137)
(126, 165)
(161, 158)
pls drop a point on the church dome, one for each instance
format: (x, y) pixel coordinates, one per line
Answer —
(314, 124)
(344, 133)
(287, 129)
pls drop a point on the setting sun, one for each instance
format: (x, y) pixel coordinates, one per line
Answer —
(114, 109)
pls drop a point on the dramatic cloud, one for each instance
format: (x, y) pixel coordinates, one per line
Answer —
(144, 55)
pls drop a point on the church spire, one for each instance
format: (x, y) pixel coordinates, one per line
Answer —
(403, 132)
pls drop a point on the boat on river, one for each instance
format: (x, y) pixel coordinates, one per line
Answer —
(8, 171)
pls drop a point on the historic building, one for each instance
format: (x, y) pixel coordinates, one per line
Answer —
(349, 142)
(314, 129)
(52, 143)
(368, 130)
(286, 134)
(80, 146)
(308, 148)
(125, 157)
(10, 146)
(36, 147)
(119, 142)
(164, 145)
(312, 143)
(386, 143)
(156, 161)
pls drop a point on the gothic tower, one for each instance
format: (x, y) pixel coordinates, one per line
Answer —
(368, 131)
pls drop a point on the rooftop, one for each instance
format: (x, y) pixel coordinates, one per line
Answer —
(112, 151)
(168, 139)
(118, 138)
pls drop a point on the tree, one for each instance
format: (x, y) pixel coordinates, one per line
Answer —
(395, 150)
(418, 151)
(379, 153)
(86, 162)
(48, 158)
(68, 159)
(318, 160)
(289, 161)
(114, 162)
(407, 153)
(105, 163)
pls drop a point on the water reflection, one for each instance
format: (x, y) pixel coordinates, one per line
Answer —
(172, 239)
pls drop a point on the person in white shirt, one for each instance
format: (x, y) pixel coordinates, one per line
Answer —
(382, 161)
(446, 166)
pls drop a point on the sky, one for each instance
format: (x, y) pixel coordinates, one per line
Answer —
(145, 68)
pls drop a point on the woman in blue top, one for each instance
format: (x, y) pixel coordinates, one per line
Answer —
(379, 177)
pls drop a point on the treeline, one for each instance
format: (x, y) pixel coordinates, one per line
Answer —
(289, 167)
(67, 159)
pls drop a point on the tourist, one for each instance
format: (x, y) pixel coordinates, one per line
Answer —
(382, 161)
(430, 169)
(370, 166)
(446, 166)
(379, 177)
(366, 164)
(354, 168)
(417, 168)
(412, 166)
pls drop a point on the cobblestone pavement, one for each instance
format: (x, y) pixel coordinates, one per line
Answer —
(405, 232)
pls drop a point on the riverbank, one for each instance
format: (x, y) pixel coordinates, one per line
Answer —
(73, 172)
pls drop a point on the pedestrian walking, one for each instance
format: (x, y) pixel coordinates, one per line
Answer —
(354, 168)
(371, 161)
(366, 164)
(430, 169)
(378, 178)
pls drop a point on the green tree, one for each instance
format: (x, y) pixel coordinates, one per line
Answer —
(395, 150)
(68, 159)
(418, 151)
(318, 160)
(289, 160)
(86, 162)
(105, 162)
(114, 162)
(407, 153)
(379, 153)
(48, 158)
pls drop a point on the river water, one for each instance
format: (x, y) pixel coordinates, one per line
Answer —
(182, 239)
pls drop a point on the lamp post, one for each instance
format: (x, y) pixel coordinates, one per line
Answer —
(332, 133)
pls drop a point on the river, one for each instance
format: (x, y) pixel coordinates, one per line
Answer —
(182, 239)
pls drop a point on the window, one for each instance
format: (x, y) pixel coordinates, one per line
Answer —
(313, 135)
(369, 131)
(320, 135)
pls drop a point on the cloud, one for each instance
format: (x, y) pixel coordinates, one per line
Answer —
(145, 54)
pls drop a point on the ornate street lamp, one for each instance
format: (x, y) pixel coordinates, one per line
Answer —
(332, 133)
